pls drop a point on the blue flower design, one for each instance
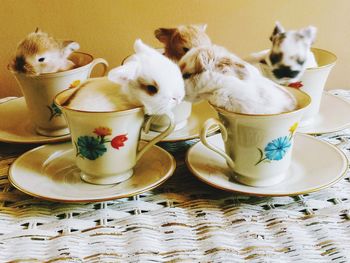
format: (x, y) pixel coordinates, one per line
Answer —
(276, 149)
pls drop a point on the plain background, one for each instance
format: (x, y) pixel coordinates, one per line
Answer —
(108, 28)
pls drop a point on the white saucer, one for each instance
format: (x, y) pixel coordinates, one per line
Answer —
(315, 165)
(49, 172)
(200, 113)
(16, 127)
(333, 116)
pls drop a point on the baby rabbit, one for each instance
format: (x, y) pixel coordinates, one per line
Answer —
(147, 78)
(177, 41)
(244, 91)
(290, 54)
(40, 53)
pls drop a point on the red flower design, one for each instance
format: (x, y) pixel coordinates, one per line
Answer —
(118, 141)
(102, 131)
(296, 85)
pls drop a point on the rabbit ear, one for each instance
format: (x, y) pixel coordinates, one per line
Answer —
(139, 47)
(164, 34)
(202, 27)
(309, 32)
(277, 30)
(69, 47)
(204, 60)
(123, 74)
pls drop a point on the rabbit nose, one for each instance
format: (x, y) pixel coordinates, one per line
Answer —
(177, 100)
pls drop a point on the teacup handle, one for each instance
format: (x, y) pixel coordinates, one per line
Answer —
(203, 137)
(97, 61)
(158, 138)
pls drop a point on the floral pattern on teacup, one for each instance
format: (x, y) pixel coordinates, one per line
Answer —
(74, 84)
(296, 85)
(92, 147)
(56, 111)
(276, 149)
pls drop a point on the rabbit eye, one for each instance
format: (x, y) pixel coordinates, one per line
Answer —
(300, 61)
(42, 59)
(151, 89)
(186, 75)
(185, 49)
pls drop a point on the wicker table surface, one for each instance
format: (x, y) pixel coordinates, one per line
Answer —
(183, 220)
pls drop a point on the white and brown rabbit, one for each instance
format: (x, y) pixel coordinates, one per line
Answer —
(40, 53)
(147, 78)
(179, 40)
(214, 74)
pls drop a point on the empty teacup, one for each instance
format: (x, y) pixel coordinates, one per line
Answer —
(258, 148)
(106, 143)
(39, 92)
(181, 113)
(312, 82)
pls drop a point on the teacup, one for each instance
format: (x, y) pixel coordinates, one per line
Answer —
(312, 82)
(181, 113)
(39, 92)
(258, 148)
(106, 143)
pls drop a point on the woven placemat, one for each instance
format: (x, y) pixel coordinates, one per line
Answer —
(183, 220)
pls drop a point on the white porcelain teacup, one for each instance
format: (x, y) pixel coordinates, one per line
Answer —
(312, 82)
(106, 143)
(39, 92)
(181, 113)
(258, 148)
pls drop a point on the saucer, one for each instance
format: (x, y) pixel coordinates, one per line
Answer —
(16, 127)
(201, 111)
(315, 165)
(49, 172)
(333, 116)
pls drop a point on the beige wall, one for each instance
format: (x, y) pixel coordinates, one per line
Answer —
(107, 28)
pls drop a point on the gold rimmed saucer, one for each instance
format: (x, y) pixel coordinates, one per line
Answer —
(332, 116)
(201, 111)
(16, 126)
(315, 165)
(49, 172)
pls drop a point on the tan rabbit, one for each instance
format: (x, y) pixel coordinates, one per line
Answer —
(40, 53)
(179, 40)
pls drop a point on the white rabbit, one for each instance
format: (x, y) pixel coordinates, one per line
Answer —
(289, 56)
(147, 78)
(40, 53)
(214, 74)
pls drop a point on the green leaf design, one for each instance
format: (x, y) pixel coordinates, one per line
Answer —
(90, 147)
(54, 111)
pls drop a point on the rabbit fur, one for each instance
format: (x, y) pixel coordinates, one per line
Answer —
(40, 53)
(147, 78)
(214, 74)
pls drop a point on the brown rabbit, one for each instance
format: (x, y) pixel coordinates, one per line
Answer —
(40, 53)
(177, 41)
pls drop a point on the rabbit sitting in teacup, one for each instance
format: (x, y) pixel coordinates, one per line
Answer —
(40, 53)
(214, 74)
(290, 54)
(147, 79)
